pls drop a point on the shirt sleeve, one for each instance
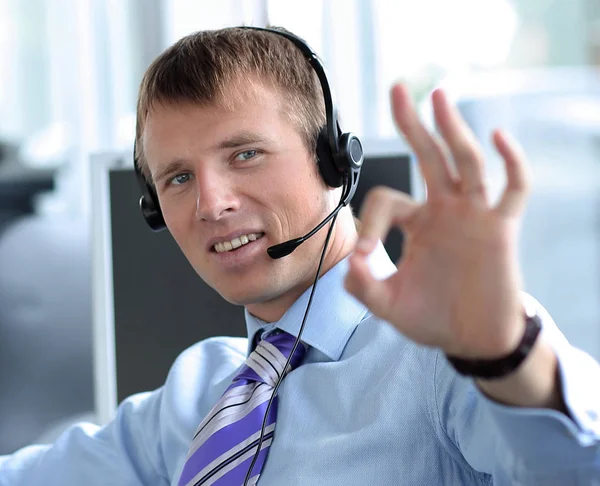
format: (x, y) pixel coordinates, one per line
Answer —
(519, 445)
(124, 452)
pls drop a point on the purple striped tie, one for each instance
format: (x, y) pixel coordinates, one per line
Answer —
(225, 442)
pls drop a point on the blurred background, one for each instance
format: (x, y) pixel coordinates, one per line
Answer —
(69, 74)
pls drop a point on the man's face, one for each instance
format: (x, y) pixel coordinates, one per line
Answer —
(241, 176)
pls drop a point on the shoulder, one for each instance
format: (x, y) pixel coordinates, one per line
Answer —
(209, 359)
(223, 346)
(378, 338)
(197, 378)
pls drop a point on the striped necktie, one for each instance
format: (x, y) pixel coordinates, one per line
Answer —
(225, 442)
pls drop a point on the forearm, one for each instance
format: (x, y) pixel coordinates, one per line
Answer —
(533, 443)
(535, 384)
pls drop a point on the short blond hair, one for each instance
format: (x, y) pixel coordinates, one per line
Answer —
(202, 68)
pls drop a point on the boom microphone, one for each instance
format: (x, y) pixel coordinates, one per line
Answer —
(283, 249)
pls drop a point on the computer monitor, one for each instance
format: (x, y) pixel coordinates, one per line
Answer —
(149, 304)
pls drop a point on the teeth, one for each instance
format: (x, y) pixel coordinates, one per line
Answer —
(236, 242)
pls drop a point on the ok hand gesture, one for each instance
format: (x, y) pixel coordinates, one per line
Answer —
(458, 283)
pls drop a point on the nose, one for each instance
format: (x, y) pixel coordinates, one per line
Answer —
(216, 196)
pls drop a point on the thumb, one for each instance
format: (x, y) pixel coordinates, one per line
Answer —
(367, 289)
(382, 209)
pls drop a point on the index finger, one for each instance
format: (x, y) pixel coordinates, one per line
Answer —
(430, 154)
(383, 208)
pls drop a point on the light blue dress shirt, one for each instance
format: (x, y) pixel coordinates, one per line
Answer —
(367, 407)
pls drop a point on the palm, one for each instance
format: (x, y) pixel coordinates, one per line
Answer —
(457, 285)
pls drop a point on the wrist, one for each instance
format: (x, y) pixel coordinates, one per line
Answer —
(492, 369)
(535, 384)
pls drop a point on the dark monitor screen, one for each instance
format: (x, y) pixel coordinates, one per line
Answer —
(161, 306)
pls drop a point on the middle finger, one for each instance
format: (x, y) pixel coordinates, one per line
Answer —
(460, 140)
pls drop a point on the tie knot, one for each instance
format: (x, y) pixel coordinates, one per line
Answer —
(266, 363)
(284, 343)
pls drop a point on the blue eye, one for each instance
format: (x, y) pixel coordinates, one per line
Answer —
(246, 155)
(180, 179)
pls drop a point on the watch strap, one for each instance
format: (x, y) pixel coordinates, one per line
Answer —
(498, 368)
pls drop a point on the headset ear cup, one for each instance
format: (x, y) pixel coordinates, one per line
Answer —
(329, 171)
(152, 215)
(351, 154)
(149, 205)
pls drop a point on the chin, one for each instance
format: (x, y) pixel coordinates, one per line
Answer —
(239, 292)
(252, 293)
(243, 299)
(256, 287)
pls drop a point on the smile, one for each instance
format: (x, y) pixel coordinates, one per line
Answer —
(242, 240)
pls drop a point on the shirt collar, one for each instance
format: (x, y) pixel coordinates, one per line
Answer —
(334, 313)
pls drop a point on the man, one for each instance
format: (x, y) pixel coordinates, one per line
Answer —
(227, 125)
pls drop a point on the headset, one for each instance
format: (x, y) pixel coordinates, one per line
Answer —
(339, 156)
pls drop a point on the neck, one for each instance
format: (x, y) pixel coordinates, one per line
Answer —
(341, 244)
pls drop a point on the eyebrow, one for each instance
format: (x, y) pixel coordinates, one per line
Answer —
(238, 140)
(171, 168)
(242, 138)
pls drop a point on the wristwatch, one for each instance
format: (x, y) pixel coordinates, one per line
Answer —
(491, 369)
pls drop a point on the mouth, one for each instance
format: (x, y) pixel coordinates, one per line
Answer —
(236, 243)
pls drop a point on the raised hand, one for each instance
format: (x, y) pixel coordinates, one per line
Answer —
(458, 283)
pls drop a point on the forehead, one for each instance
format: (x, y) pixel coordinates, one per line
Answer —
(176, 130)
(252, 100)
(235, 96)
(242, 91)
